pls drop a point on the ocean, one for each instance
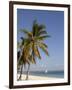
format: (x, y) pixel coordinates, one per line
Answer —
(57, 74)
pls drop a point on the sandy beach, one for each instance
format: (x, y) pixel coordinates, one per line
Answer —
(33, 77)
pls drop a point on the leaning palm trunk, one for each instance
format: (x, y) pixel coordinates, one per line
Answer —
(28, 72)
(21, 73)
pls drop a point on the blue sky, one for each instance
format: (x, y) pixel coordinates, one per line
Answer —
(54, 21)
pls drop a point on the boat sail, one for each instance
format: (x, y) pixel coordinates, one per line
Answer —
(46, 71)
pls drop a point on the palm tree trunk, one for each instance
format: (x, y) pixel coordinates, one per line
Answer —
(20, 55)
(28, 72)
(20, 73)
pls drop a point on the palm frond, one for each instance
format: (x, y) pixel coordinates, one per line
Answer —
(43, 49)
(26, 32)
(42, 37)
(36, 52)
(25, 41)
(42, 33)
(43, 44)
(41, 27)
(35, 28)
(32, 59)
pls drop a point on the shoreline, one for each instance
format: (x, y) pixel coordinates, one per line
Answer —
(34, 77)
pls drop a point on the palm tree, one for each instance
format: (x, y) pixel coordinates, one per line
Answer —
(35, 40)
(24, 55)
(20, 59)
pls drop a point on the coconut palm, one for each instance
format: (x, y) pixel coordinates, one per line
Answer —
(24, 56)
(35, 40)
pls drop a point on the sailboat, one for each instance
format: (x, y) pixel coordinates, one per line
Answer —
(46, 71)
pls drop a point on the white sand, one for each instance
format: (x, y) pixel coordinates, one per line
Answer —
(32, 77)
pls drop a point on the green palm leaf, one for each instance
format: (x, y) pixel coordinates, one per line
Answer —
(32, 59)
(43, 44)
(35, 28)
(36, 52)
(41, 27)
(42, 37)
(42, 32)
(26, 32)
(43, 48)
